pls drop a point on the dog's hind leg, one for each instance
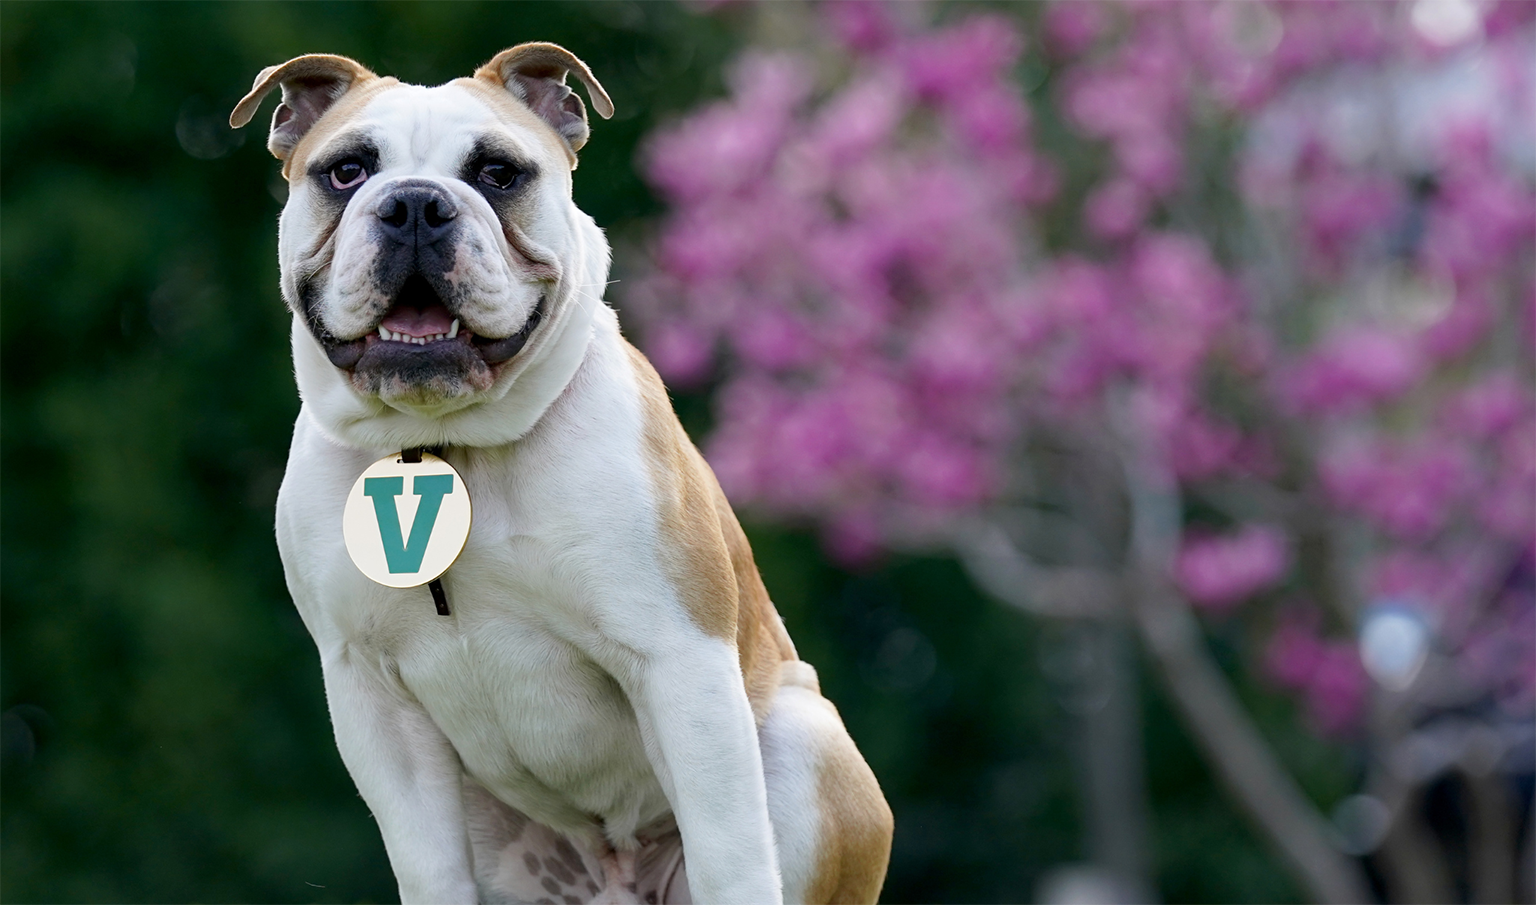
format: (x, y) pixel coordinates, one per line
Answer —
(830, 821)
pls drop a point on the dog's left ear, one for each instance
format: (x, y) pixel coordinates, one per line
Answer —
(535, 73)
(311, 84)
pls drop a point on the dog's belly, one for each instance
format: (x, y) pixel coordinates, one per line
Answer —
(536, 721)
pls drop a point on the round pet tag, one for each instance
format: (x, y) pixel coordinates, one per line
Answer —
(406, 522)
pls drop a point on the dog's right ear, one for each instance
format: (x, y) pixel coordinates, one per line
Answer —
(311, 84)
(535, 73)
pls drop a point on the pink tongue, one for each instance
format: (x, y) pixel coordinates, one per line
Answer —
(418, 322)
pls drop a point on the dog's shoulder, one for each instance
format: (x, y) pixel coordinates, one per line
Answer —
(707, 555)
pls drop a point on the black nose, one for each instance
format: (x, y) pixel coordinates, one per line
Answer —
(417, 216)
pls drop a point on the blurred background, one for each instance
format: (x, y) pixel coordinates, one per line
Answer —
(1130, 405)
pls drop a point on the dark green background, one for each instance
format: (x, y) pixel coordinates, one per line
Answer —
(165, 736)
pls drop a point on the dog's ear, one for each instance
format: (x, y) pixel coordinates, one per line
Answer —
(535, 73)
(311, 84)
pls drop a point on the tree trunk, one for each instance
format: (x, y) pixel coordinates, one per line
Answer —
(1232, 744)
(1114, 765)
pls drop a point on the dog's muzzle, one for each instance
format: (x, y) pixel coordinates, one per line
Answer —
(417, 233)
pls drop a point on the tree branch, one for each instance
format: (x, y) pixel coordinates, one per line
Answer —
(1000, 569)
(1494, 820)
(1108, 746)
(1243, 762)
(1210, 709)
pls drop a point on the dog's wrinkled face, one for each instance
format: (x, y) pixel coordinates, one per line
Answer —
(425, 240)
(407, 242)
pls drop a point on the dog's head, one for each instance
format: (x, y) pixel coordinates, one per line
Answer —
(429, 247)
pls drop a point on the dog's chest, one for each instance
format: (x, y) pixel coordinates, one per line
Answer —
(512, 677)
(532, 716)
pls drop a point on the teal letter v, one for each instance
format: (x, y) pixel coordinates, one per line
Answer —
(431, 488)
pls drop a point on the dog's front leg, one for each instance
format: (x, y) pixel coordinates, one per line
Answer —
(409, 775)
(702, 742)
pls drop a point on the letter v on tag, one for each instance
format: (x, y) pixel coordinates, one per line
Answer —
(396, 544)
(407, 556)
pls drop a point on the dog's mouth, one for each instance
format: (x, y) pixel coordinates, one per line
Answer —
(418, 323)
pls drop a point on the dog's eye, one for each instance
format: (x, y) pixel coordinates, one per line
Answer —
(348, 174)
(500, 174)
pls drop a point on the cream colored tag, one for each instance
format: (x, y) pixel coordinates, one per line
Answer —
(406, 522)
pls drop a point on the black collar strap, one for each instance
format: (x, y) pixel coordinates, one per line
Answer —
(439, 596)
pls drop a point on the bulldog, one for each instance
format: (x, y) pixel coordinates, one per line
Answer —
(611, 709)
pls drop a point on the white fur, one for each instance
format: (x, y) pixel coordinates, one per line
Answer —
(440, 124)
(791, 738)
(569, 681)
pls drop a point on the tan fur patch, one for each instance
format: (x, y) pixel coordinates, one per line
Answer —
(334, 119)
(509, 108)
(707, 555)
(856, 827)
(761, 640)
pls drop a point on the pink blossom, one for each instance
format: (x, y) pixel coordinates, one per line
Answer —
(1200, 447)
(1462, 328)
(854, 538)
(1490, 407)
(856, 251)
(1507, 509)
(1351, 368)
(1445, 584)
(728, 145)
(1328, 674)
(947, 64)
(1409, 491)
(1071, 27)
(1515, 449)
(863, 27)
(1481, 217)
(857, 120)
(680, 352)
(1342, 209)
(991, 118)
(1219, 572)
(1117, 208)
(1336, 692)
(1506, 16)
(1293, 653)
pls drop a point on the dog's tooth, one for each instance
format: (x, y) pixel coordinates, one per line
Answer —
(383, 334)
(454, 329)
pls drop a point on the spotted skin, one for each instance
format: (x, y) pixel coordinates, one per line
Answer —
(519, 860)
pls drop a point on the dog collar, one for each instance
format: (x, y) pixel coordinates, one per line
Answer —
(406, 520)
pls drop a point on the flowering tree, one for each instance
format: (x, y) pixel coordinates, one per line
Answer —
(1226, 311)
